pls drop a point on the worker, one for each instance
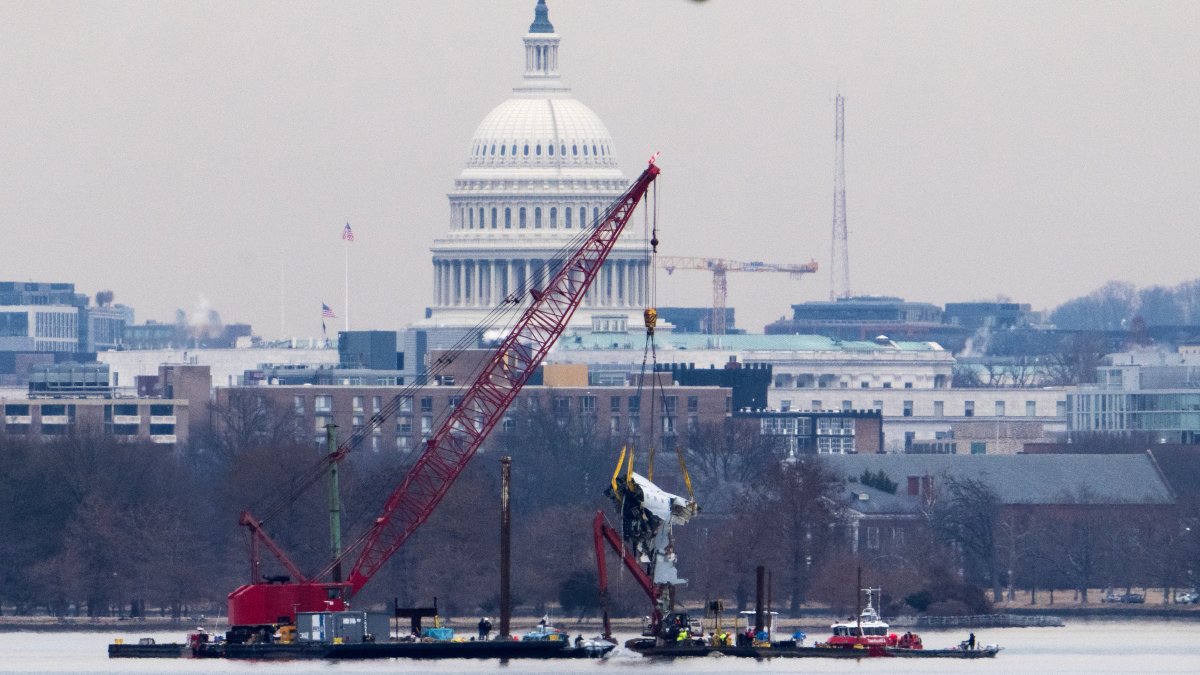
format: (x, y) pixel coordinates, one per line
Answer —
(485, 628)
(578, 641)
(682, 636)
(971, 641)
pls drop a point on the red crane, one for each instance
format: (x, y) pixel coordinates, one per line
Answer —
(264, 603)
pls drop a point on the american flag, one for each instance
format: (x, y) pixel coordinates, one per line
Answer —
(326, 312)
(347, 233)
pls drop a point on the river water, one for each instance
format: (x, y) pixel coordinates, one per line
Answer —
(1080, 647)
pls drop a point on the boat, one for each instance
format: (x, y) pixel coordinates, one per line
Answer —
(868, 631)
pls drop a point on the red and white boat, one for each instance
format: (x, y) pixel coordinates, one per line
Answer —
(864, 632)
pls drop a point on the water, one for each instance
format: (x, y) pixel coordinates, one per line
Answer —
(1080, 647)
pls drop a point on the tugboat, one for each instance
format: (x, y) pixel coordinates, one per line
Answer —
(867, 631)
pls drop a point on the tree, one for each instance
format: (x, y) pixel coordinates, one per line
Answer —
(878, 480)
(798, 497)
(1077, 360)
(965, 514)
(728, 456)
(249, 420)
(1107, 308)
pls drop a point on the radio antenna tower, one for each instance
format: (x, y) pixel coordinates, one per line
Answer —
(839, 260)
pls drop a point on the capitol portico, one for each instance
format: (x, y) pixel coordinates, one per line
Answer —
(541, 169)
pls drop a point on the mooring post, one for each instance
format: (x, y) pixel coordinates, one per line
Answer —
(760, 574)
(505, 550)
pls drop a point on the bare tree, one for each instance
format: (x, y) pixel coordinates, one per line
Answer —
(965, 514)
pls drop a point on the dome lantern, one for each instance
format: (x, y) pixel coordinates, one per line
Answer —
(541, 47)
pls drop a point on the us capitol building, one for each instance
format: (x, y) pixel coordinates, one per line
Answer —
(541, 167)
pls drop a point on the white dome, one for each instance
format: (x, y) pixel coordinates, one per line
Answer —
(542, 132)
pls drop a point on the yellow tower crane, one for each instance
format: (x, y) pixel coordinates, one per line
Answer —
(719, 267)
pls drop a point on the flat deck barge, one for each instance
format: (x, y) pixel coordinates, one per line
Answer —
(493, 649)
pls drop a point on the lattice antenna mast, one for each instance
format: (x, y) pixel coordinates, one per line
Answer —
(839, 259)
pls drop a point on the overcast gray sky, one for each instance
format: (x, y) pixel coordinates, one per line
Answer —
(185, 152)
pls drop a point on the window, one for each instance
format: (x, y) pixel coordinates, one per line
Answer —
(693, 424)
(567, 217)
(537, 217)
(323, 403)
(668, 424)
(897, 537)
(908, 409)
(508, 424)
(615, 424)
(1030, 408)
(887, 385)
(454, 401)
(298, 404)
(614, 404)
(508, 218)
(521, 217)
(406, 404)
(562, 406)
(426, 426)
(999, 408)
(877, 405)
(670, 404)
(908, 385)
(939, 409)
(553, 217)
(635, 403)
(402, 443)
(320, 422)
(847, 405)
(785, 405)
(493, 217)
(968, 408)
(864, 385)
(978, 447)
(357, 404)
(872, 538)
(358, 423)
(376, 403)
(909, 437)
(587, 404)
(426, 404)
(1060, 408)
(404, 425)
(635, 422)
(816, 404)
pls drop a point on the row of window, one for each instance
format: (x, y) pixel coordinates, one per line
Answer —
(506, 150)
(68, 409)
(56, 325)
(404, 433)
(939, 407)
(477, 218)
(323, 403)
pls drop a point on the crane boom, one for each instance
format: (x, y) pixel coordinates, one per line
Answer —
(461, 433)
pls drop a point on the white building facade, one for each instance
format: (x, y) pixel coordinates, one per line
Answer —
(542, 169)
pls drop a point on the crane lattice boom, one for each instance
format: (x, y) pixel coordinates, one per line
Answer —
(462, 432)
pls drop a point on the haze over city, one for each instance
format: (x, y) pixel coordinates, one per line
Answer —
(185, 154)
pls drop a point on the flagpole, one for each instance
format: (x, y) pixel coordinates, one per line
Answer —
(347, 305)
(282, 303)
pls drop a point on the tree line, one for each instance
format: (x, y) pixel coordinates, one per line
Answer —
(94, 526)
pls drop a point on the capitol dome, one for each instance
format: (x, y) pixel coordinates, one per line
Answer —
(542, 132)
(540, 167)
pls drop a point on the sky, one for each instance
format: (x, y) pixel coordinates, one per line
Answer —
(189, 155)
